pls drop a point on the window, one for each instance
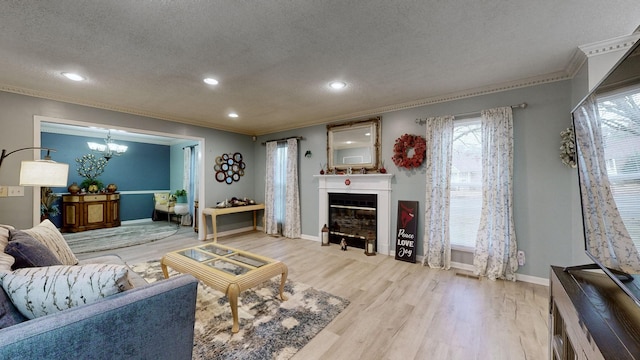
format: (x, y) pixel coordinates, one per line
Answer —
(280, 184)
(620, 120)
(466, 183)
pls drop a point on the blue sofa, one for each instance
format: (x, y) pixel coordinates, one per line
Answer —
(150, 321)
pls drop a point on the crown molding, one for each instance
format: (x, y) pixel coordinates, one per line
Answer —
(584, 52)
(611, 45)
(532, 81)
(578, 59)
(490, 89)
(71, 100)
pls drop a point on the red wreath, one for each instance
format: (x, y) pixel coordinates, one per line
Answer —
(402, 146)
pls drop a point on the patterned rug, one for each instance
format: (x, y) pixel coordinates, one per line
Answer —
(118, 237)
(269, 328)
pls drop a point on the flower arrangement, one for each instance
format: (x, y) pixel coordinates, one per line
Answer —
(402, 148)
(568, 147)
(90, 167)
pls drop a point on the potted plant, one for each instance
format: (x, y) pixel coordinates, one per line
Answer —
(180, 196)
(48, 207)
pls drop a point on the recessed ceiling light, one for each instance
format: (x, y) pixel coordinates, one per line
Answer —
(73, 76)
(211, 81)
(233, 115)
(337, 85)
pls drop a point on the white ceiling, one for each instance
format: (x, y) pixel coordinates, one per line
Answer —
(274, 58)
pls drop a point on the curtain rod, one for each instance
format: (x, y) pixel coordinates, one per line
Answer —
(189, 146)
(284, 139)
(474, 113)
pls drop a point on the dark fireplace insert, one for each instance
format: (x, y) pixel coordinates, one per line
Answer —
(352, 217)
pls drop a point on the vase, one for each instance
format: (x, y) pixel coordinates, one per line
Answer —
(111, 188)
(73, 188)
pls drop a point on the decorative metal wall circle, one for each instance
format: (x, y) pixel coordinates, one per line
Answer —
(229, 167)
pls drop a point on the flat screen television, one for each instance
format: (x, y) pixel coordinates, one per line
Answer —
(617, 99)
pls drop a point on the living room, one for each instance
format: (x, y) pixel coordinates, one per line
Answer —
(546, 194)
(541, 181)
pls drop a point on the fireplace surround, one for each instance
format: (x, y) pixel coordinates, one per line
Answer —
(372, 184)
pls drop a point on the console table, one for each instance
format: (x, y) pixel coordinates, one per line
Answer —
(90, 211)
(214, 212)
(590, 317)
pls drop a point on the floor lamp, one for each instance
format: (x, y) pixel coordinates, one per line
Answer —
(44, 172)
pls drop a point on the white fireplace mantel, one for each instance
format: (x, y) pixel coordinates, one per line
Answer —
(378, 184)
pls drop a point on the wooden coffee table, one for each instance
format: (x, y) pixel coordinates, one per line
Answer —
(226, 269)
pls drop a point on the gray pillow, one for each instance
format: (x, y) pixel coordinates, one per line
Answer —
(9, 315)
(28, 251)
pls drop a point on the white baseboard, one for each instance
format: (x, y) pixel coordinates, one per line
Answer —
(457, 265)
(519, 277)
(137, 221)
(532, 279)
(309, 237)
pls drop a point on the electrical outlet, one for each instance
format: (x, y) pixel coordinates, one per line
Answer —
(16, 190)
(521, 258)
(4, 191)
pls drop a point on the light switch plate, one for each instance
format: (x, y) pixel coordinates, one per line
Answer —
(16, 190)
(4, 191)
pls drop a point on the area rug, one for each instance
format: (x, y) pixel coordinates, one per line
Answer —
(269, 328)
(118, 237)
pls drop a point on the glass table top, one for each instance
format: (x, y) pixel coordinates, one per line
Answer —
(231, 261)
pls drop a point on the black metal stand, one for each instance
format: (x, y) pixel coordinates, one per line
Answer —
(621, 275)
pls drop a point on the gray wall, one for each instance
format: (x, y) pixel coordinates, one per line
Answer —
(546, 193)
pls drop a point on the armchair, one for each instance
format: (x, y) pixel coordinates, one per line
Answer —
(162, 203)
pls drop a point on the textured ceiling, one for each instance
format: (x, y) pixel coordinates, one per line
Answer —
(274, 58)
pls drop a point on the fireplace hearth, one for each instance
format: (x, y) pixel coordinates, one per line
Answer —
(352, 217)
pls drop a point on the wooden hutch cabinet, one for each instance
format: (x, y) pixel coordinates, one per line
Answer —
(90, 211)
(591, 318)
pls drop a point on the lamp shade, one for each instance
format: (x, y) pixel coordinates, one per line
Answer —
(43, 173)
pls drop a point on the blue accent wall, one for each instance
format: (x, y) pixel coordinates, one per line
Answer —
(144, 167)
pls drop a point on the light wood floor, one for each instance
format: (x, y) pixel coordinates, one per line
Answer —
(398, 310)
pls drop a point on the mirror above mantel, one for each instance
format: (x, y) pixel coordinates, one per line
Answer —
(354, 145)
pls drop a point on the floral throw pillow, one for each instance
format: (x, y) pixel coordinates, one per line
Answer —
(41, 291)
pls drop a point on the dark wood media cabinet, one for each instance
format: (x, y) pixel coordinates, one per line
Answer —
(590, 317)
(90, 211)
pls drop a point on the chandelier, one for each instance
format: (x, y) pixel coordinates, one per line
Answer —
(109, 149)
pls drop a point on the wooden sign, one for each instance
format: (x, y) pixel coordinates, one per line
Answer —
(407, 231)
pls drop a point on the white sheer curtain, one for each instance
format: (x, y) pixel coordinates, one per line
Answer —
(291, 227)
(496, 248)
(282, 198)
(188, 177)
(602, 220)
(436, 243)
(270, 216)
